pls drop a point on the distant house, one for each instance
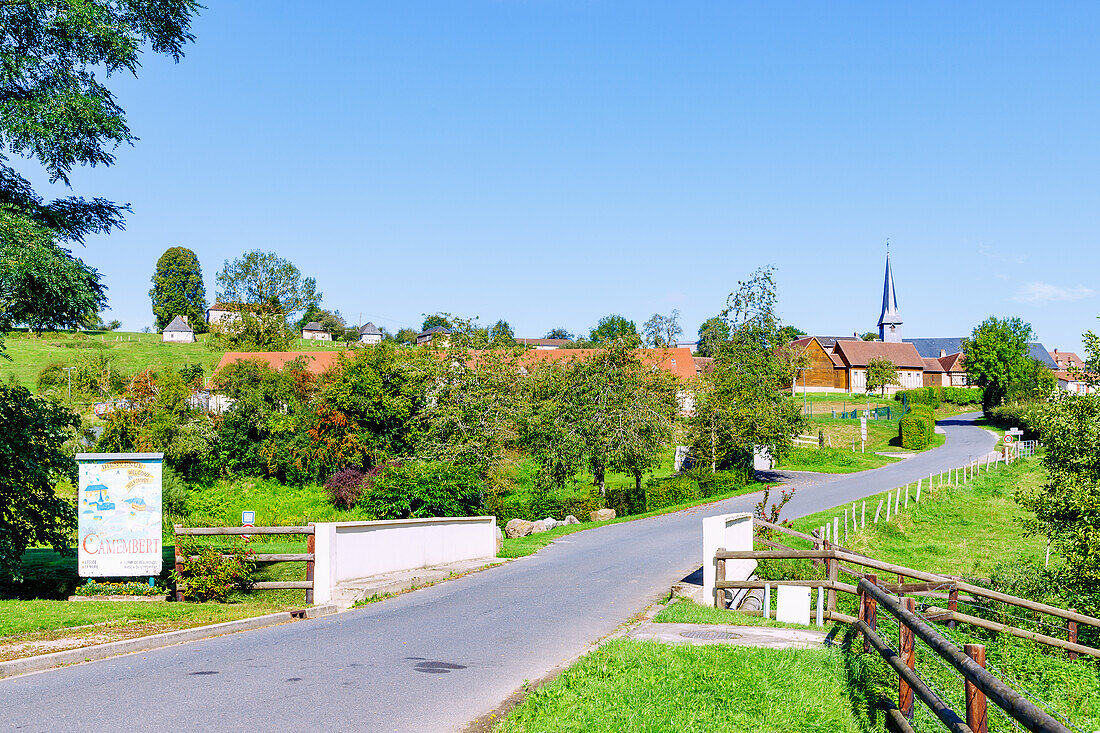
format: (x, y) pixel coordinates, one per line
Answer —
(822, 370)
(543, 344)
(178, 331)
(370, 334)
(856, 355)
(1069, 372)
(945, 370)
(439, 335)
(314, 331)
(221, 312)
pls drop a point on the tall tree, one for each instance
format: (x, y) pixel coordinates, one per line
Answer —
(436, 319)
(501, 334)
(740, 404)
(32, 459)
(178, 289)
(663, 331)
(265, 290)
(996, 358)
(712, 332)
(612, 327)
(881, 373)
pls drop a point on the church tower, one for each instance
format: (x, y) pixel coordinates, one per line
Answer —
(889, 323)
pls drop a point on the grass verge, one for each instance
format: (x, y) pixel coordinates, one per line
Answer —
(688, 612)
(645, 686)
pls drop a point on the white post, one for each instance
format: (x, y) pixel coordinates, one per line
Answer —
(918, 488)
(878, 510)
(907, 495)
(845, 524)
(767, 600)
(897, 500)
(827, 532)
(863, 520)
(889, 501)
(820, 605)
(836, 530)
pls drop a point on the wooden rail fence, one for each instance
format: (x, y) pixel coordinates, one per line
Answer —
(980, 685)
(307, 557)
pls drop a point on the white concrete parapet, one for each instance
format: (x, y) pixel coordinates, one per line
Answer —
(349, 550)
(731, 532)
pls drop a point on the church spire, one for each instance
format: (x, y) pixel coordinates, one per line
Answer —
(889, 323)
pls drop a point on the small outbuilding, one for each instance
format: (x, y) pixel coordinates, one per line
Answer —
(313, 331)
(370, 334)
(438, 335)
(178, 331)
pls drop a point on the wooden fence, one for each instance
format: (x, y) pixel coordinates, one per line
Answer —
(307, 557)
(873, 593)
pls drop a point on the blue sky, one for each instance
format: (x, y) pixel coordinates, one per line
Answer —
(549, 162)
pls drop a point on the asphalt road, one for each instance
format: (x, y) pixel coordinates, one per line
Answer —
(430, 660)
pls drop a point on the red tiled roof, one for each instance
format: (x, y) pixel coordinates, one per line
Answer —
(952, 362)
(316, 361)
(1066, 359)
(859, 353)
(932, 365)
(678, 362)
(543, 342)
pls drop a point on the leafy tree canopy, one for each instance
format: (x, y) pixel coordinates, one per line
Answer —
(501, 334)
(55, 108)
(559, 333)
(881, 373)
(612, 327)
(178, 289)
(436, 319)
(996, 358)
(32, 459)
(266, 290)
(663, 331)
(712, 331)
(869, 336)
(788, 334)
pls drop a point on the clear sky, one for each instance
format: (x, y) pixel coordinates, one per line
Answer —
(552, 161)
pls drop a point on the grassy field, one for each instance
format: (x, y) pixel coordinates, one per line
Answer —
(840, 437)
(644, 686)
(128, 352)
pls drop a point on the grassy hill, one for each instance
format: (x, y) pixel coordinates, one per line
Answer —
(128, 352)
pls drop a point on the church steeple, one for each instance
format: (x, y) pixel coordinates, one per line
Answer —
(889, 323)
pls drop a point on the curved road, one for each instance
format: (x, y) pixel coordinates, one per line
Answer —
(430, 660)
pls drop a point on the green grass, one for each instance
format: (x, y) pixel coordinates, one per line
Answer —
(645, 686)
(838, 456)
(23, 617)
(128, 353)
(688, 612)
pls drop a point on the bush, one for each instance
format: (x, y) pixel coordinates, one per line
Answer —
(670, 492)
(723, 482)
(962, 395)
(424, 489)
(626, 500)
(174, 491)
(208, 576)
(1014, 415)
(345, 488)
(914, 431)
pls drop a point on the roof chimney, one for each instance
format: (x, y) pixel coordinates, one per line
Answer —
(1056, 351)
(943, 353)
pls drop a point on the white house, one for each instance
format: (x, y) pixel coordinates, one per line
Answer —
(178, 331)
(370, 334)
(315, 332)
(221, 312)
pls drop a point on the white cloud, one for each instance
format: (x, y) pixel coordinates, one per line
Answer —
(1040, 292)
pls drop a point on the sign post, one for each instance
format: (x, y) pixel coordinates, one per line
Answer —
(863, 433)
(248, 519)
(119, 515)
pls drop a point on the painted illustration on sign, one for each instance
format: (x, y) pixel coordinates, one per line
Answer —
(119, 525)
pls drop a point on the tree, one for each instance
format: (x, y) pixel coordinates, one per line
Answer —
(55, 108)
(869, 336)
(178, 289)
(501, 334)
(996, 358)
(264, 290)
(881, 372)
(559, 333)
(405, 336)
(1089, 372)
(331, 321)
(32, 435)
(442, 320)
(662, 331)
(1067, 507)
(787, 334)
(712, 332)
(96, 322)
(612, 327)
(740, 405)
(41, 284)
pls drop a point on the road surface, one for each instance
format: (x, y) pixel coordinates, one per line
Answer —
(430, 660)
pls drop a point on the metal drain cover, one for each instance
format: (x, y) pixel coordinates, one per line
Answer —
(709, 635)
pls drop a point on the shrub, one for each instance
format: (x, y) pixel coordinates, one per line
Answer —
(671, 491)
(173, 491)
(345, 488)
(962, 395)
(626, 500)
(1014, 415)
(913, 430)
(210, 576)
(424, 489)
(723, 482)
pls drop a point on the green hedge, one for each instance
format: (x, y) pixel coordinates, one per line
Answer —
(937, 396)
(917, 428)
(1015, 415)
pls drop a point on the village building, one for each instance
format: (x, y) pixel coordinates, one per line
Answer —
(1070, 373)
(178, 331)
(370, 334)
(856, 356)
(439, 335)
(222, 312)
(543, 344)
(314, 331)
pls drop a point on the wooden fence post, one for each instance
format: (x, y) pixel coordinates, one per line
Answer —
(310, 548)
(909, 657)
(868, 610)
(179, 563)
(975, 698)
(1071, 635)
(952, 604)
(720, 575)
